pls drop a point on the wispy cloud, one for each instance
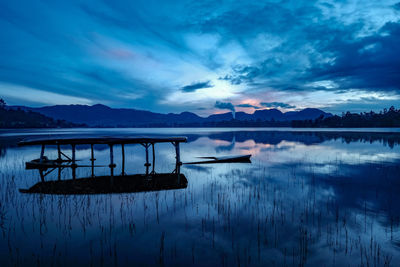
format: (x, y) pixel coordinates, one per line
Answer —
(38, 97)
(276, 105)
(247, 106)
(196, 86)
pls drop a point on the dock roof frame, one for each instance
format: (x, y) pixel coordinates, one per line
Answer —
(102, 140)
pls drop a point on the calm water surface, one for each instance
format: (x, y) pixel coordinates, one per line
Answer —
(327, 198)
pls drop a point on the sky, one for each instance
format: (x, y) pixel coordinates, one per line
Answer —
(201, 56)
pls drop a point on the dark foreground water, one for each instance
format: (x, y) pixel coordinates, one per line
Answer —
(308, 198)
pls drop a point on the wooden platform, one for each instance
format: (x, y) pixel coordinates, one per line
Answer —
(108, 184)
(108, 140)
(43, 163)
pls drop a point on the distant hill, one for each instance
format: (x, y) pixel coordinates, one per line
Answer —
(16, 118)
(104, 116)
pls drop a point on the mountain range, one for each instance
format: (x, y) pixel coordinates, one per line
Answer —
(103, 116)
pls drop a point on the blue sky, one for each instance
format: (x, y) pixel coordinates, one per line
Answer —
(201, 56)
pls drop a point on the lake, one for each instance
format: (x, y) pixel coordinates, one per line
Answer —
(309, 198)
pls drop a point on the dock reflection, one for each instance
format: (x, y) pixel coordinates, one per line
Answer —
(111, 184)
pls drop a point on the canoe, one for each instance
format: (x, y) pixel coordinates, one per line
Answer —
(46, 163)
(223, 159)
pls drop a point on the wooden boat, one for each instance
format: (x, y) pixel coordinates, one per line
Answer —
(109, 184)
(37, 164)
(45, 163)
(223, 159)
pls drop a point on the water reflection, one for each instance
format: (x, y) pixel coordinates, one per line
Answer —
(325, 198)
(107, 184)
(391, 139)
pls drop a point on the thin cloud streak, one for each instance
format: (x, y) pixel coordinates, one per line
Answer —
(196, 86)
(39, 96)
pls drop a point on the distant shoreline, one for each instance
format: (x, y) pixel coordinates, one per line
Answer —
(100, 116)
(282, 129)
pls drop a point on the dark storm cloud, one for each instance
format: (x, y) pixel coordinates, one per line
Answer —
(242, 74)
(315, 47)
(276, 105)
(252, 18)
(248, 74)
(371, 63)
(196, 86)
(283, 64)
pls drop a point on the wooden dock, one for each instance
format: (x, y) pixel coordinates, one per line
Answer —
(65, 161)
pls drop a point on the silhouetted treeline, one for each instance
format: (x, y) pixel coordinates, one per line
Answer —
(385, 118)
(27, 119)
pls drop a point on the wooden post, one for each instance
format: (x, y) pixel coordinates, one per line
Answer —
(123, 159)
(42, 153)
(73, 155)
(59, 153)
(112, 165)
(92, 159)
(147, 154)
(147, 164)
(178, 156)
(41, 175)
(154, 159)
(73, 165)
(92, 152)
(178, 161)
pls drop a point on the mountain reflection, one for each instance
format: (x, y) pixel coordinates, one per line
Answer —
(262, 137)
(307, 138)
